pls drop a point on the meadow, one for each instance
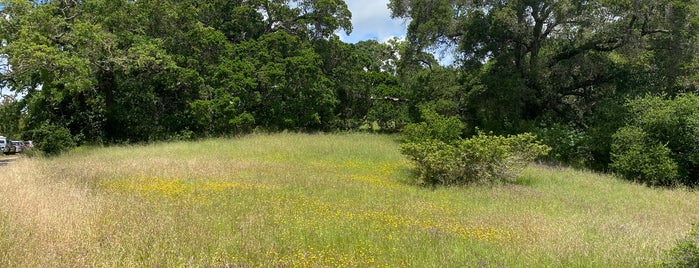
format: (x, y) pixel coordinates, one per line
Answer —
(323, 200)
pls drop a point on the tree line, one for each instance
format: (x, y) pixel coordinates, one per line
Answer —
(130, 71)
(114, 71)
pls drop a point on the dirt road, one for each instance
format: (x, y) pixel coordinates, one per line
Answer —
(5, 161)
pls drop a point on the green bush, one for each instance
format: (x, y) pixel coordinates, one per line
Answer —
(637, 157)
(442, 157)
(485, 159)
(686, 252)
(435, 161)
(31, 152)
(660, 143)
(434, 127)
(568, 144)
(52, 139)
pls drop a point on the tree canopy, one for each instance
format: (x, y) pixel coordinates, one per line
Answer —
(115, 71)
(529, 63)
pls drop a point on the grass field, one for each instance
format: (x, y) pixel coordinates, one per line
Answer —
(296, 200)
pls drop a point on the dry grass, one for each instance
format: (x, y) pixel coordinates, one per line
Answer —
(318, 200)
(44, 215)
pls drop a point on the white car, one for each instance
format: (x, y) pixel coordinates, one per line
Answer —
(19, 146)
(6, 145)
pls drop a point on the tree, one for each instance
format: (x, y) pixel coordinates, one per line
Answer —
(46, 66)
(290, 90)
(532, 62)
(10, 116)
(559, 53)
(386, 102)
(123, 71)
(660, 143)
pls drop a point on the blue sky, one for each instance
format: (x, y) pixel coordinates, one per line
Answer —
(371, 19)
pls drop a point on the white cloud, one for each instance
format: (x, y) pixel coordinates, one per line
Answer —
(371, 20)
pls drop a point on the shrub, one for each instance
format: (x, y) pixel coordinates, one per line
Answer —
(52, 139)
(660, 143)
(491, 159)
(639, 158)
(686, 252)
(568, 144)
(435, 161)
(31, 152)
(434, 127)
(483, 158)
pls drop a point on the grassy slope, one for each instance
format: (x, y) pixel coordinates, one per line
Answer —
(318, 200)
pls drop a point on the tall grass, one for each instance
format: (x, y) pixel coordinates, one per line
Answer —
(318, 200)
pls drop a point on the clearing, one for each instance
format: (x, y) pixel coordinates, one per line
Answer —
(319, 200)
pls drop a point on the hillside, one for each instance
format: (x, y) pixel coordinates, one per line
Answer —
(318, 200)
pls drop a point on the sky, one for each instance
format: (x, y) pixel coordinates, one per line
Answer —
(371, 20)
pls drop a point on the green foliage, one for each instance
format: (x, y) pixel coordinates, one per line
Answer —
(686, 253)
(10, 115)
(609, 117)
(52, 139)
(660, 143)
(32, 152)
(426, 84)
(568, 144)
(291, 90)
(434, 127)
(562, 63)
(481, 159)
(221, 115)
(637, 158)
(125, 71)
(128, 71)
(443, 158)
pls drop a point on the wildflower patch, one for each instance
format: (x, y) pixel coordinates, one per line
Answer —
(174, 188)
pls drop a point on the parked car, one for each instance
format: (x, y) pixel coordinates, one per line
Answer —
(19, 146)
(6, 145)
